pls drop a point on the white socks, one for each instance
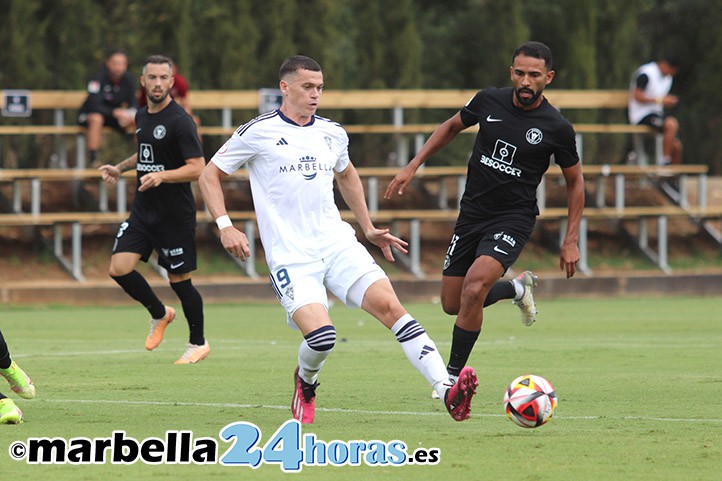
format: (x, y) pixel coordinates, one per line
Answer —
(313, 351)
(519, 288)
(421, 351)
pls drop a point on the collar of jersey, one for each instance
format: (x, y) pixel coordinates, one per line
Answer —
(286, 119)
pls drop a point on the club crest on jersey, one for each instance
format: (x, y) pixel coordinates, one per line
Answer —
(329, 142)
(160, 130)
(534, 136)
(506, 238)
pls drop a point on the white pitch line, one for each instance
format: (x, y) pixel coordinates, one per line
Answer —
(114, 351)
(364, 411)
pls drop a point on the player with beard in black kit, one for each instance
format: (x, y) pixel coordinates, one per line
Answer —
(163, 218)
(519, 132)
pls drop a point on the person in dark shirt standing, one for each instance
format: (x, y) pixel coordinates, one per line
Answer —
(519, 131)
(163, 217)
(110, 101)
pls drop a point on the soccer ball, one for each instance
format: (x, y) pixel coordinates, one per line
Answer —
(530, 401)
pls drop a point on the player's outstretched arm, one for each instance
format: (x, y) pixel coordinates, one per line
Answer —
(189, 172)
(569, 252)
(443, 134)
(233, 240)
(111, 173)
(349, 183)
(387, 242)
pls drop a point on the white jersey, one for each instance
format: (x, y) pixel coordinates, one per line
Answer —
(291, 170)
(658, 85)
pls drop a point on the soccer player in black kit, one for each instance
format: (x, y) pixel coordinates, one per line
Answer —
(519, 131)
(163, 217)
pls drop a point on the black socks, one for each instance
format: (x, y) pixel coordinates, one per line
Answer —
(461, 345)
(192, 303)
(138, 288)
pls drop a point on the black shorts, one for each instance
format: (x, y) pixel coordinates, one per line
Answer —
(654, 120)
(176, 248)
(502, 238)
(108, 121)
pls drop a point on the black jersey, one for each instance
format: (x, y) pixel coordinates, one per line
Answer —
(104, 95)
(166, 139)
(511, 153)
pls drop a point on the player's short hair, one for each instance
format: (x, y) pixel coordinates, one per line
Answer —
(671, 59)
(157, 60)
(297, 62)
(116, 51)
(536, 50)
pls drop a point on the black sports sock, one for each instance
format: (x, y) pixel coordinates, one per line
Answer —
(138, 288)
(192, 303)
(500, 290)
(5, 360)
(92, 154)
(461, 345)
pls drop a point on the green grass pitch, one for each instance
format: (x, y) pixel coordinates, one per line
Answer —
(639, 384)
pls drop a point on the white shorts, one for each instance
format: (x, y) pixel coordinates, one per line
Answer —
(347, 274)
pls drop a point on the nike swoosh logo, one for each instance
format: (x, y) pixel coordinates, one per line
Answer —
(176, 266)
(489, 118)
(496, 248)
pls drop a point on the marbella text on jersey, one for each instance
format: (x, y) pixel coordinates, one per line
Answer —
(307, 164)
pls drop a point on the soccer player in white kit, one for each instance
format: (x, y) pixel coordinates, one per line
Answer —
(293, 156)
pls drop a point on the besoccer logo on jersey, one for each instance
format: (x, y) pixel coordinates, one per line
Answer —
(146, 159)
(503, 152)
(146, 153)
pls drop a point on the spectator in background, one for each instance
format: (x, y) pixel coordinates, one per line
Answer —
(110, 102)
(649, 97)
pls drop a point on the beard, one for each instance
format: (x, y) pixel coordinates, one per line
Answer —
(527, 101)
(158, 100)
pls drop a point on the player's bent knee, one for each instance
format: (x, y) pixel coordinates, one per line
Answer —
(450, 307)
(671, 124)
(95, 119)
(322, 339)
(117, 271)
(475, 292)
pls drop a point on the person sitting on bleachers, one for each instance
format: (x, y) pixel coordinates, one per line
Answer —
(649, 97)
(110, 101)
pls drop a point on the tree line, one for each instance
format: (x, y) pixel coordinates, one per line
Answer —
(371, 44)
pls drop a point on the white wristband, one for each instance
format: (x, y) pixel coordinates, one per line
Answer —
(223, 221)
